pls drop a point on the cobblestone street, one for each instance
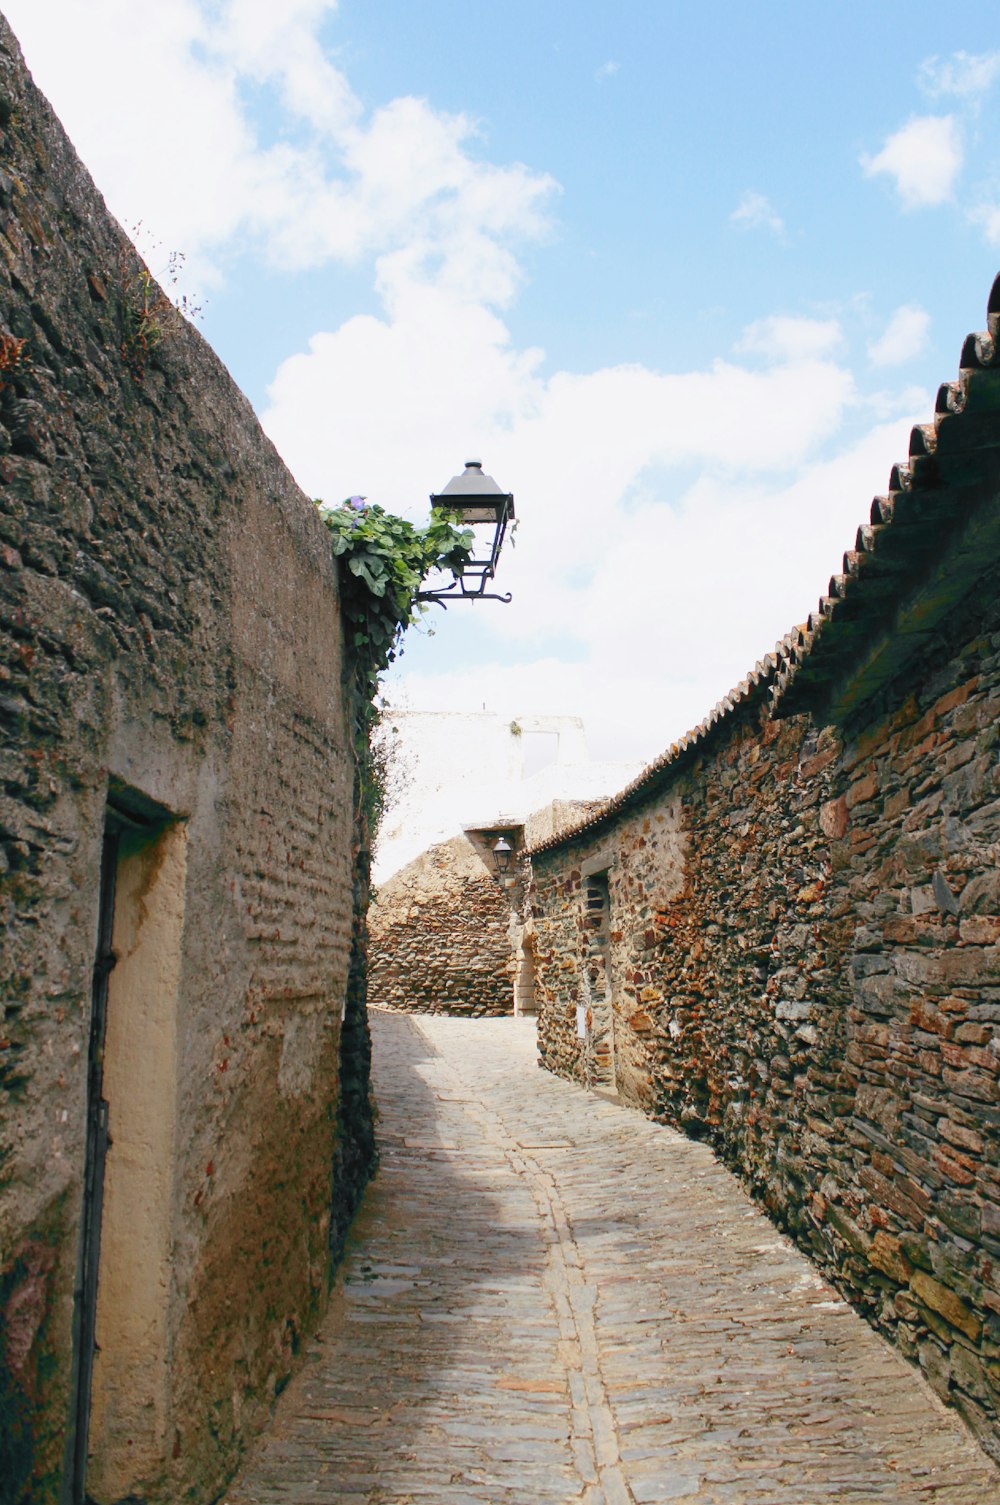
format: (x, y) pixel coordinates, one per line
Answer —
(548, 1298)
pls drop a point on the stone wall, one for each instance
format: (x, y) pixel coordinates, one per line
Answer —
(804, 918)
(171, 652)
(440, 936)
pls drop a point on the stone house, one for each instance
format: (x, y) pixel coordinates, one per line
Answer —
(178, 1039)
(445, 936)
(449, 934)
(439, 939)
(785, 934)
(448, 771)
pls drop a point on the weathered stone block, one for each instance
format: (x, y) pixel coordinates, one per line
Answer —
(886, 1254)
(441, 938)
(861, 791)
(848, 1229)
(834, 818)
(944, 1301)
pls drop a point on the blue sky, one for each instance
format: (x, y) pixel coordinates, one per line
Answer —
(683, 277)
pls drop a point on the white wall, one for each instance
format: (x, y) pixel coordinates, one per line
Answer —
(453, 769)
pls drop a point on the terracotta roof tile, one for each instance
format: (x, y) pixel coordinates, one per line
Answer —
(753, 687)
(952, 473)
(953, 470)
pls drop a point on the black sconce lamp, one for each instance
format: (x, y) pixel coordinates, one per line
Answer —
(474, 500)
(503, 855)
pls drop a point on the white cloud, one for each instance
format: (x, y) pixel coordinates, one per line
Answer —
(913, 403)
(607, 70)
(341, 187)
(923, 158)
(904, 336)
(683, 602)
(783, 338)
(673, 524)
(662, 590)
(441, 369)
(264, 41)
(988, 217)
(965, 74)
(756, 212)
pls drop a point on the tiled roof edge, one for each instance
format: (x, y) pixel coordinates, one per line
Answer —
(920, 502)
(776, 673)
(750, 689)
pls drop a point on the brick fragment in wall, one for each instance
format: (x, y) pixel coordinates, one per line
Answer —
(805, 969)
(439, 936)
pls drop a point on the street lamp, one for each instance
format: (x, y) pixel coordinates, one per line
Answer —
(503, 855)
(474, 500)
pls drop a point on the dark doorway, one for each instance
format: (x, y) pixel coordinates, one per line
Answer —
(137, 837)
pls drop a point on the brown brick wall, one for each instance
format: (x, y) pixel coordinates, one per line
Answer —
(805, 959)
(439, 937)
(170, 620)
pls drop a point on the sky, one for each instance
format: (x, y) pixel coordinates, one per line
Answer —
(682, 277)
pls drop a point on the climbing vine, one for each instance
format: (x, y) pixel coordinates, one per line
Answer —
(386, 560)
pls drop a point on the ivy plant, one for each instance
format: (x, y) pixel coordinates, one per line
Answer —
(385, 559)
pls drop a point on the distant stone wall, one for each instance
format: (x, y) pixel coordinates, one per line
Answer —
(171, 649)
(804, 922)
(439, 937)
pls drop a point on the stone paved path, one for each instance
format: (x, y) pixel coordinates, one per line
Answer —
(549, 1299)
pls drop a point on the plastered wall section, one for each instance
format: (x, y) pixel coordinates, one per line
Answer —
(170, 626)
(805, 961)
(131, 1381)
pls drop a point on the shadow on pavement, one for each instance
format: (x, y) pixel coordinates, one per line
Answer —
(437, 1367)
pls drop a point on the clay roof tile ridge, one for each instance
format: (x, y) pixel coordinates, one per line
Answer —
(778, 670)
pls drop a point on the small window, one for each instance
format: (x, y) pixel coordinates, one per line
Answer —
(598, 902)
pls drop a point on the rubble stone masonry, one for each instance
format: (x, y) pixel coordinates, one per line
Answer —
(805, 938)
(170, 648)
(440, 938)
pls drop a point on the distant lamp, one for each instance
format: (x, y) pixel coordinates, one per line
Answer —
(474, 500)
(503, 855)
